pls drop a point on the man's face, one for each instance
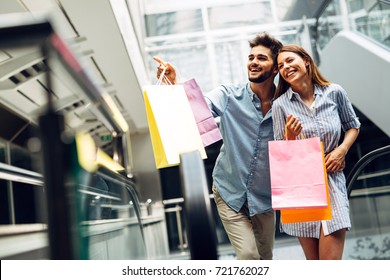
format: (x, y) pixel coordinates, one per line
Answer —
(260, 65)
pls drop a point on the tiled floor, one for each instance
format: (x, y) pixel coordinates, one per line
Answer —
(288, 249)
(365, 246)
(284, 249)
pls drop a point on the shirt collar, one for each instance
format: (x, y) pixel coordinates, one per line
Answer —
(290, 93)
(252, 94)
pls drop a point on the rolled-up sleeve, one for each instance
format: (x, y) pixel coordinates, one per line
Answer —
(346, 112)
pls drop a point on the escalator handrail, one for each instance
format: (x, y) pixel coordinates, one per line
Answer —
(16, 174)
(106, 173)
(200, 227)
(358, 167)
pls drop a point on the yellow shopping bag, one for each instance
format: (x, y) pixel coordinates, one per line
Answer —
(172, 125)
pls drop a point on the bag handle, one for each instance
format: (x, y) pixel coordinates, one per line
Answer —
(163, 77)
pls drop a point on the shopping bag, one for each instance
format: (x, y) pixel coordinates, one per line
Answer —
(208, 128)
(172, 125)
(297, 174)
(306, 215)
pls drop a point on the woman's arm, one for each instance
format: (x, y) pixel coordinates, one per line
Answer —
(335, 160)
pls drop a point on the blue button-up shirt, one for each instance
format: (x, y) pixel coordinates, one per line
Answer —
(241, 171)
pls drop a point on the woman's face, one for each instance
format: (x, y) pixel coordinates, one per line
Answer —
(292, 67)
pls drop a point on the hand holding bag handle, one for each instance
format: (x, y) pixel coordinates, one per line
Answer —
(207, 126)
(172, 126)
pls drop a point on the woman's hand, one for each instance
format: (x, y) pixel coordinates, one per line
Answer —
(293, 127)
(170, 72)
(335, 160)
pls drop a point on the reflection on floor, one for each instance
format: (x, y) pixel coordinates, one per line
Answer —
(367, 245)
(284, 249)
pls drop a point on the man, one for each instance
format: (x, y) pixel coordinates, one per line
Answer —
(241, 180)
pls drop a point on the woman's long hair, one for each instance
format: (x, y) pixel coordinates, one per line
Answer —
(312, 70)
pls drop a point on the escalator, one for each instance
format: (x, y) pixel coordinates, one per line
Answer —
(88, 201)
(368, 186)
(87, 205)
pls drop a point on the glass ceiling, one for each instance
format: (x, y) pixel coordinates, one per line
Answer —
(208, 39)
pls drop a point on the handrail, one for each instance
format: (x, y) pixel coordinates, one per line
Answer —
(366, 159)
(112, 176)
(16, 174)
(179, 200)
(322, 8)
(197, 208)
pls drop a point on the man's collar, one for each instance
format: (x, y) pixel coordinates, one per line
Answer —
(252, 94)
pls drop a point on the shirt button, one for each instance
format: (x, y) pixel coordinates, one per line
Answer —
(258, 139)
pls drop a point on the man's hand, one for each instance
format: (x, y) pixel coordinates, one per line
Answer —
(170, 72)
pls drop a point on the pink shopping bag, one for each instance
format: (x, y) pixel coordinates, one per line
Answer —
(208, 128)
(298, 178)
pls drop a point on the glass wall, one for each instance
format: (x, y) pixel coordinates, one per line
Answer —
(208, 40)
(369, 17)
(369, 238)
(372, 18)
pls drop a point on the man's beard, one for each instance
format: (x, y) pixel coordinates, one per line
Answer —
(263, 77)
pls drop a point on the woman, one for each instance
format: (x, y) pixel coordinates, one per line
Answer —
(308, 104)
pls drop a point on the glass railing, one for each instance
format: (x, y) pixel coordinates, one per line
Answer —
(110, 225)
(369, 196)
(369, 18)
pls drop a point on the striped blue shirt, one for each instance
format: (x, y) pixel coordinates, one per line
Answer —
(331, 111)
(241, 172)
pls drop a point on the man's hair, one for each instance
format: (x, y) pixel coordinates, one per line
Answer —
(268, 41)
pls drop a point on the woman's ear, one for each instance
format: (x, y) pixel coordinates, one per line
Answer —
(307, 61)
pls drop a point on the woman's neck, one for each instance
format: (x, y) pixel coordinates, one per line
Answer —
(305, 91)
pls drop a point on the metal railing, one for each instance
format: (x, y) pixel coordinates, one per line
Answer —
(362, 163)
